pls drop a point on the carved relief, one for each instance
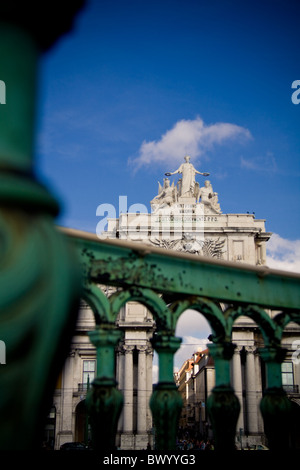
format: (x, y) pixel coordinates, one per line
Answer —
(210, 247)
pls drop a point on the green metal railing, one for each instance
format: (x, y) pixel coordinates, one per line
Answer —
(169, 283)
(44, 273)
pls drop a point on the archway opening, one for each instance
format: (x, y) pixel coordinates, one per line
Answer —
(82, 428)
(248, 378)
(134, 366)
(290, 374)
(195, 377)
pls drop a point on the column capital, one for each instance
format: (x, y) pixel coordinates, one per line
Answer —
(251, 349)
(273, 353)
(237, 350)
(128, 349)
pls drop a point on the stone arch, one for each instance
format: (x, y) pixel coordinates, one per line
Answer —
(81, 425)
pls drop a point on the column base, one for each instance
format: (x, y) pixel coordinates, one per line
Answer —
(62, 438)
(142, 441)
(130, 441)
(127, 441)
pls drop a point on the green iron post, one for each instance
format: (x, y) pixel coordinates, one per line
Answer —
(166, 402)
(275, 406)
(223, 405)
(104, 402)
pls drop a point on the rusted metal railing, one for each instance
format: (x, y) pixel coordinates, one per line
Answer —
(169, 283)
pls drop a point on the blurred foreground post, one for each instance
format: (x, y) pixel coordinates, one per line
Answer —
(40, 281)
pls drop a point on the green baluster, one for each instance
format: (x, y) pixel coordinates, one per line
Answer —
(166, 402)
(104, 402)
(40, 279)
(275, 406)
(223, 405)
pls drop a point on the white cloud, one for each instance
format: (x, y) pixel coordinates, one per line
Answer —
(283, 254)
(191, 322)
(191, 137)
(266, 163)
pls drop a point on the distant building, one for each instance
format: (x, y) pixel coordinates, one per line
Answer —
(195, 380)
(185, 217)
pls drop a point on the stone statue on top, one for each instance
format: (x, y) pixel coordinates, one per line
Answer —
(187, 190)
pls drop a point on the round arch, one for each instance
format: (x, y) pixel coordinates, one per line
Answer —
(146, 297)
(81, 422)
(257, 314)
(211, 312)
(282, 319)
(99, 303)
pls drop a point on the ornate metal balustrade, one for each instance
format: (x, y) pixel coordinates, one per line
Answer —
(168, 283)
(42, 282)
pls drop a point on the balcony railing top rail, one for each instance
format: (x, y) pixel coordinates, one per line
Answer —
(169, 271)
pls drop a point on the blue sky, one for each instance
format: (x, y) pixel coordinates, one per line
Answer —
(138, 84)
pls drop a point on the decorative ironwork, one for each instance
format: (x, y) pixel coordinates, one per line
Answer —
(168, 283)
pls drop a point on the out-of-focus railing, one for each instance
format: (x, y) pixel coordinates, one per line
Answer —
(40, 279)
(168, 283)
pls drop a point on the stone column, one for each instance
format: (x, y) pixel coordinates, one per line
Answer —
(149, 359)
(251, 390)
(142, 390)
(128, 390)
(237, 384)
(65, 433)
(120, 379)
(259, 391)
